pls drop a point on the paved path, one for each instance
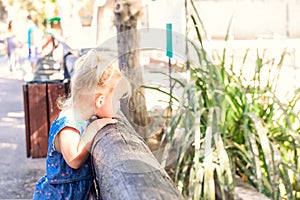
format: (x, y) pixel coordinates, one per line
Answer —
(18, 173)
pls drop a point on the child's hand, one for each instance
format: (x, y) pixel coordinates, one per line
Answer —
(94, 127)
(98, 124)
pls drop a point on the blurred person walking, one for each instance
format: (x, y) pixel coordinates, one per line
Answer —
(32, 41)
(12, 45)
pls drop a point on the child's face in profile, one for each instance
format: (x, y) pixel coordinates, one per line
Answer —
(110, 100)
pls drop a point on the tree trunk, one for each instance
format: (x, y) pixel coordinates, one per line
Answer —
(126, 17)
(125, 167)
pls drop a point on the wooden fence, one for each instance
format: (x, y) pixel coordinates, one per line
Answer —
(125, 167)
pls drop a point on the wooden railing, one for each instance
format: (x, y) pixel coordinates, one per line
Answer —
(126, 169)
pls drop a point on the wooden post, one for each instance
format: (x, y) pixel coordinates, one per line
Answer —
(126, 169)
(127, 14)
(36, 121)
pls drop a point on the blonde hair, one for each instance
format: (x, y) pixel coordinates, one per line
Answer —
(91, 71)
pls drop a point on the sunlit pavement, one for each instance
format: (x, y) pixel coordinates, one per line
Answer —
(18, 173)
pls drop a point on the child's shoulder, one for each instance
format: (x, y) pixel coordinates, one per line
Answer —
(67, 118)
(66, 114)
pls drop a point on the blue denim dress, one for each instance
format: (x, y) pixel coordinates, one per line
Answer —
(60, 180)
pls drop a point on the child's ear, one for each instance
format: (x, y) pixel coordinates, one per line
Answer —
(99, 101)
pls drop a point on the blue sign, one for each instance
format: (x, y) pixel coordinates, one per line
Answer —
(169, 41)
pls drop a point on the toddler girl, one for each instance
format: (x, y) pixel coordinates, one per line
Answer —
(95, 90)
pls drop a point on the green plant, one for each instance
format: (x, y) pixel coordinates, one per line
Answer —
(235, 128)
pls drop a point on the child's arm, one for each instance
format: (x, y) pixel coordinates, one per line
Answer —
(75, 149)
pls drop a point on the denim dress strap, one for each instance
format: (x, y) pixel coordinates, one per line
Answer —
(61, 181)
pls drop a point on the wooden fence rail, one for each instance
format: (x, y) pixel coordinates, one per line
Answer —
(126, 169)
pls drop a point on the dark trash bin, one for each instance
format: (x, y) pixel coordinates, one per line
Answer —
(40, 104)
